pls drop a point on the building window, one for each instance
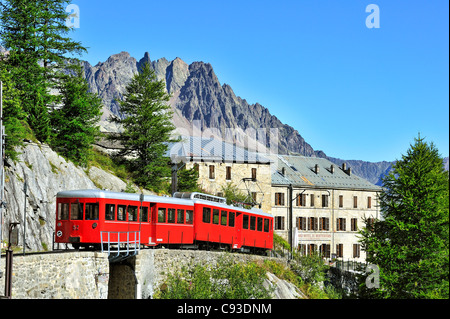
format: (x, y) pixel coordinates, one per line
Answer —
(302, 249)
(324, 223)
(301, 200)
(312, 223)
(356, 250)
(369, 202)
(212, 174)
(279, 199)
(279, 222)
(324, 250)
(355, 201)
(340, 224)
(341, 201)
(228, 173)
(339, 250)
(324, 200)
(354, 225)
(312, 200)
(254, 174)
(312, 249)
(301, 223)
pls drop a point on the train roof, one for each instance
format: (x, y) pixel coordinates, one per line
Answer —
(95, 193)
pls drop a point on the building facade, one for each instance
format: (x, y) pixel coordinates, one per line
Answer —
(220, 164)
(320, 207)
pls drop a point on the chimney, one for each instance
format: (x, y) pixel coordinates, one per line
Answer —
(349, 171)
(344, 166)
(283, 171)
(332, 169)
(317, 169)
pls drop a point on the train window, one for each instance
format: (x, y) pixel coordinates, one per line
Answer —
(216, 216)
(252, 222)
(266, 225)
(189, 216)
(132, 213)
(259, 224)
(223, 218)
(110, 212)
(92, 211)
(76, 211)
(171, 215)
(121, 213)
(180, 216)
(144, 214)
(206, 215)
(161, 215)
(245, 222)
(63, 211)
(231, 216)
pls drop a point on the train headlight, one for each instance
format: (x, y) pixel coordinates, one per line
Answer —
(59, 233)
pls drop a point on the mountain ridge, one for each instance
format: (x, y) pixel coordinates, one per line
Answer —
(202, 105)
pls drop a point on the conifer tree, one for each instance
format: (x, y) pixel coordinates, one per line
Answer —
(147, 128)
(13, 114)
(410, 244)
(75, 124)
(35, 32)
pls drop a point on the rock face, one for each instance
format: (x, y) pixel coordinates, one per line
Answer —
(46, 174)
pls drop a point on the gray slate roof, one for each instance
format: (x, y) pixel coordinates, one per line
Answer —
(300, 171)
(213, 150)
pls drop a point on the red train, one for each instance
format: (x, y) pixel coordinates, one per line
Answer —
(90, 218)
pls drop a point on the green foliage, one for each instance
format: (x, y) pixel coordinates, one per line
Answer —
(410, 244)
(35, 32)
(13, 114)
(234, 195)
(147, 129)
(226, 280)
(75, 124)
(188, 180)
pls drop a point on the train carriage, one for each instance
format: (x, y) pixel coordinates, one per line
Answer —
(88, 218)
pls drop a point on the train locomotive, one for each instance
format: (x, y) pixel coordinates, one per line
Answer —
(90, 218)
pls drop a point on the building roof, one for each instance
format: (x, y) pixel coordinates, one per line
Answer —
(314, 172)
(200, 149)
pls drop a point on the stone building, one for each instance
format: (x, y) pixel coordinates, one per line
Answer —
(320, 207)
(220, 163)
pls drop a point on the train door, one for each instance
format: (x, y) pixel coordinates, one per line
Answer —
(237, 240)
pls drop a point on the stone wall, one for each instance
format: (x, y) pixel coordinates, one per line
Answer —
(75, 275)
(89, 275)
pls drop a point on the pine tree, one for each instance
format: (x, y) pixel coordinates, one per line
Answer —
(34, 32)
(147, 128)
(410, 244)
(13, 114)
(75, 123)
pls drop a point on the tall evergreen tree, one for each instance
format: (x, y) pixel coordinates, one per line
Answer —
(147, 127)
(410, 244)
(75, 124)
(13, 114)
(35, 32)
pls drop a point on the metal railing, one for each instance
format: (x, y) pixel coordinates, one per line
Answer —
(120, 245)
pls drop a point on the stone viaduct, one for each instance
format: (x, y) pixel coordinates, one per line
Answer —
(90, 275)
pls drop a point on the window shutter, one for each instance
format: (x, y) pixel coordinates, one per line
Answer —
(327, 224)
(344, 228)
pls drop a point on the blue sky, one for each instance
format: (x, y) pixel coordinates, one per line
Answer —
(351, 91)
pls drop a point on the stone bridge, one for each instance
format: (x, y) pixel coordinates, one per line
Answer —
(89, 275)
